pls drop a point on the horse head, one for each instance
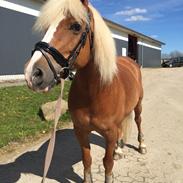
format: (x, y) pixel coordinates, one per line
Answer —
(67, 43)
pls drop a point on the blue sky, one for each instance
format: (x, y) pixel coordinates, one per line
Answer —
(160, 19)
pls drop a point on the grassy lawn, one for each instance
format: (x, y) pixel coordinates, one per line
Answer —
(19, 108)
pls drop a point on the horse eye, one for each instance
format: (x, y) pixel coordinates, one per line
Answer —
(75, 27)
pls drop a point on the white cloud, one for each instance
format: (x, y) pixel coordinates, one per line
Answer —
(136, 18)
(134, 14)
(131, 12)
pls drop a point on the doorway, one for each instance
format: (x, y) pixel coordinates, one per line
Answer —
(133, 48)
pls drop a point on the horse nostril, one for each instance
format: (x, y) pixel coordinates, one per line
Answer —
(38, 73)
(37, 77)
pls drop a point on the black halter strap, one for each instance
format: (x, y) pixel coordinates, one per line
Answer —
(59, 58)
(65, 63)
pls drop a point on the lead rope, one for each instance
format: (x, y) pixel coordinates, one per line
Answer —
(51, 145)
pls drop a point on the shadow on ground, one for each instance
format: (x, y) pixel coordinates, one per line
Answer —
(132, 147)
(67, 153)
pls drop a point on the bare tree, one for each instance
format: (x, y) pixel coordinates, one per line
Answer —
(176, 53)
(165, 56)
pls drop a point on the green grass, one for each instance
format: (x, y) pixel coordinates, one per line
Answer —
(19, 108)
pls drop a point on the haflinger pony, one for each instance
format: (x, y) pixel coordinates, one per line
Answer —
(106, 89)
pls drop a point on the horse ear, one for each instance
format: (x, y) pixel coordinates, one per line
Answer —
(85, 2)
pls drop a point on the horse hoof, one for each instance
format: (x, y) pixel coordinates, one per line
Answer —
(117, 156)
(88, 178)
(109, 179)
(142, 150)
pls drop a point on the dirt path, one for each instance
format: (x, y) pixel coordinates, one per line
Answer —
(11, 83)
(163, 128)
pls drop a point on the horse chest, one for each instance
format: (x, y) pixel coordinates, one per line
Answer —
(94, 113)
(83, 117)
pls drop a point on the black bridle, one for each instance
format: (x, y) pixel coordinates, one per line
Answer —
(65, 63)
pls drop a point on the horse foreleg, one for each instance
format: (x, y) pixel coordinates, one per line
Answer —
(108, 161)
(138, 120)
(83, 138)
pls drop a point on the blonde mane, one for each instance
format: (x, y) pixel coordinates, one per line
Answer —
(104, 47)
(54, 11)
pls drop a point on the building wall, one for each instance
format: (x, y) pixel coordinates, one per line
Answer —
(120, 44)
(33, 4)
(149, 54)
(17, 41)
(149, 57)
(119, 35)
(121, 41)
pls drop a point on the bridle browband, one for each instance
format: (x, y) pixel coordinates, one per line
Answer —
(65, 63)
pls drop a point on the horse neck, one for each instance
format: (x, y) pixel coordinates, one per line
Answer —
(87, 86)
(89, 73)
(89, 76)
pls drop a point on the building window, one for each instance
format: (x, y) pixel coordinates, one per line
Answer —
(124, 52)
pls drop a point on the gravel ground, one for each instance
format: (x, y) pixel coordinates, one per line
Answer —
(163, 129)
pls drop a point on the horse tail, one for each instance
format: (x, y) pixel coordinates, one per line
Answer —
(127, 126)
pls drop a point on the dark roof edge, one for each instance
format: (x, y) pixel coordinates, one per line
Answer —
(135, 32)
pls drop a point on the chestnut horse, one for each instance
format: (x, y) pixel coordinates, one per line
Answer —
(106, 89)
